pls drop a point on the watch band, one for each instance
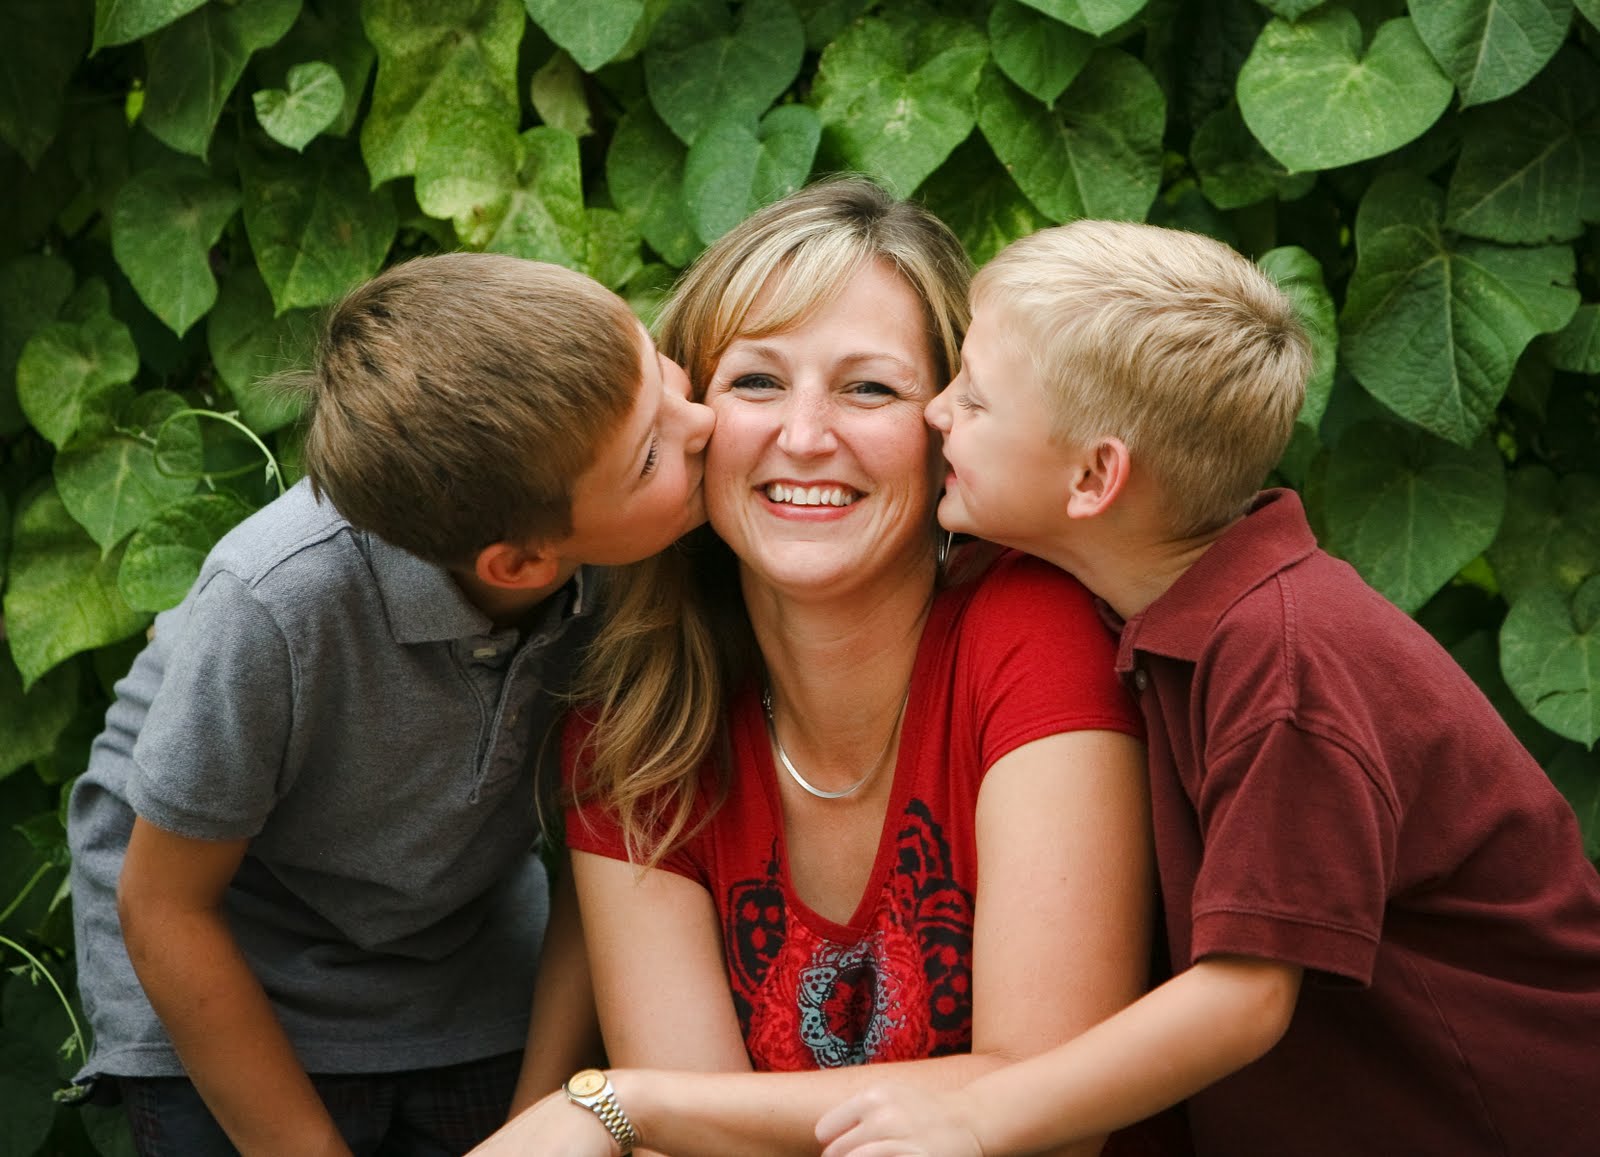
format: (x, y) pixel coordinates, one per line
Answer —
(592, 1089)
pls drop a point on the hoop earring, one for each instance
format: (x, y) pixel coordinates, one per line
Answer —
(941, 554)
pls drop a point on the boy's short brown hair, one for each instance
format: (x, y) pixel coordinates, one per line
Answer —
(1170, 341)
(456, 399)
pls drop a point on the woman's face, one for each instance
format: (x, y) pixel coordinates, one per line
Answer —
(822, 474)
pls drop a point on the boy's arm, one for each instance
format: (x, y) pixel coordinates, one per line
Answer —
(170, 901)
(1197, 1028)
(564, 1028)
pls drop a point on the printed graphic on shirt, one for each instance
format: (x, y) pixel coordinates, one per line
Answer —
(900, 992)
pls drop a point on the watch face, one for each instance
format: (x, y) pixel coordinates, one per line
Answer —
(587, 1083)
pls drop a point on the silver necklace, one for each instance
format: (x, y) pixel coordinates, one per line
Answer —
(794, 772)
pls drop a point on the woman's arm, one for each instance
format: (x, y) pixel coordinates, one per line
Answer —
(170, 901)
(1061, 940)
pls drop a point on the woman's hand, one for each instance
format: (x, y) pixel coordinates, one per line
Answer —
(552, 1126)
(896, 1121)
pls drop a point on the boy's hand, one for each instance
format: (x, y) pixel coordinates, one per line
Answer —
(553, 1125)
(892, 1121)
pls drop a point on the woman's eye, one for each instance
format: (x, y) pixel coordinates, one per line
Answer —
(753, 382)
(874, 389)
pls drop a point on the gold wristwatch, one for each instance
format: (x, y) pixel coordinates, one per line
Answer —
(592, 1089)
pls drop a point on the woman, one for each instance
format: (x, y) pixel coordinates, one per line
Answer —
(810, 893)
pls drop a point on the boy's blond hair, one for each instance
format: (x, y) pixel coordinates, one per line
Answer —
(1171, 341)
(456, 399)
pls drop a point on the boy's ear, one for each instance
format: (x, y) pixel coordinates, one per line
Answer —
(1101, 474)
(511, 567)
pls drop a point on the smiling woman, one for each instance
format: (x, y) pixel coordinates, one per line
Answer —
(793, 775)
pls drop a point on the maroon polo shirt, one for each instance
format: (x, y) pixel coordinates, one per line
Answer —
(1331, 790)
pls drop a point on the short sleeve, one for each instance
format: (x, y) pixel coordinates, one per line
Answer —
(209, 760)
(1037, 660)
(1300, 843)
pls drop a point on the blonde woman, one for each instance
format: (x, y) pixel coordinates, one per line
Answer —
(834, 807)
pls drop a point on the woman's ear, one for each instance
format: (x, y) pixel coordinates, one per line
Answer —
(1098, 477)
(508, 566)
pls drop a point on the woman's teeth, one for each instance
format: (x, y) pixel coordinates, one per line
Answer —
(810, 495)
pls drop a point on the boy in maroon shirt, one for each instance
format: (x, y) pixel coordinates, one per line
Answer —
(1384, 933)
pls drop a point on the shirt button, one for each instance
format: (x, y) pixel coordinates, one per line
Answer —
(485, 652)
(1140, 679)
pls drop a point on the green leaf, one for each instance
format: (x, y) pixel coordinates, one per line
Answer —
(1093, 16)
(193, 65)
(67, 366)
(1550, 655)
(1039, 54)
(1097, 155)
(559, 96)
(163, 226)
(611, 248)
(1576, 348)
(27, 1080)
(1576, 774)
(112, 484)
(1316, 101)
(1409, 511)
(41, 43)
(1300, 276)
(124, 21)
(248, 344)
(1491, 48)
(433, 61)
(704, 64)
(1551, 533)
(1530, 165)
(644, 171)
(328, 30)
(1478, 654)
(62, 595)
(163, 559)
(593, 32)
(896, 97)
(1234, 169)
(1591, 11)
(33, 288)
(1290, 9)
(826, 19)
(31, 722)
(734, 166)
(313, 100)
(1432, 325)
(974, 195)
(316, 227)
(506, 193)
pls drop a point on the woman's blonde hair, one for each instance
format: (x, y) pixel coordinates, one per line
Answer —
(677, 639)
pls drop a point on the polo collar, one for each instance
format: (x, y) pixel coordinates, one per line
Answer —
(425, 605)
(1272, 537)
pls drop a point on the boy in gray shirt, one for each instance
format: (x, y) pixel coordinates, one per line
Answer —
(307, 900)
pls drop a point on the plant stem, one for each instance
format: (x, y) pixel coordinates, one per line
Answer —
(39, 965)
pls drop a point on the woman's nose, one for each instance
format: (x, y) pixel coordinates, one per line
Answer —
(807, 426)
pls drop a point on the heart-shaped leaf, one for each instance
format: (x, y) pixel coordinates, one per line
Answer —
(61, 596)
(559, 96)
(112, 484)
(734, 167)
(193, 65)
(295, 116)
(1551, 533)
(41, 42)
(329, 30)
(250, 345)
(163, 226)
(124, 21)
(1041, 55)
(1316, 101)
(163, 558)
(31, 723)
(1491, 48)
(67, 367)
(593, 32)
(1300, 276)
(33, 288)
(1409, 511)
(896, 95)
(1530, 165)
(1576, 348)
(644, 171)
(1433, 325)
(704, 64)
(974, 195)
(1096, 17)
(316, 229)
(434, 61)
(1550, 655)
(1098, 154)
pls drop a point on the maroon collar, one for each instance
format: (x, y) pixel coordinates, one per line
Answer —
(1273, 536)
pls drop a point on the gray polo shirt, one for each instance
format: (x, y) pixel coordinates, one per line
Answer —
(340, 703)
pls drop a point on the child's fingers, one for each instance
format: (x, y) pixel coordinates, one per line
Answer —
(870, 1124)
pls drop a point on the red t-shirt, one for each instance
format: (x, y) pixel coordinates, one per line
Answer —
(1331, 790)
(1014, 656)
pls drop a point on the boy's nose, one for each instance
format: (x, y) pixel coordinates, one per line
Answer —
(701, 420)
(936, 413)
